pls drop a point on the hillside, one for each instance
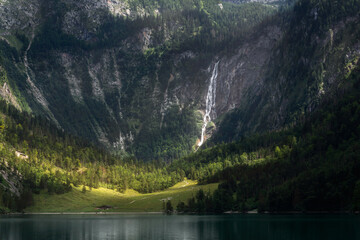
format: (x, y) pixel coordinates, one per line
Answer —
(119, 73)
(135, 77)
(130, 201)
(139, 95)
(41, 167)
(313, 166)
(37, 157)
(281, 78)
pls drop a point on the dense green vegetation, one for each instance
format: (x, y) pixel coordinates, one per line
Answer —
(312, 165)
(176, 137)
(53, 161)
(202, 26)
(318, 169)
(129, 201)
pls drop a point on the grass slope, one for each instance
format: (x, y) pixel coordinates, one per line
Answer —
(130, 201)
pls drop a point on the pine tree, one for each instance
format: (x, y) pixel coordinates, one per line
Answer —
(83, 189)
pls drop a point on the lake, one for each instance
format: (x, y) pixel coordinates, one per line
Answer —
(158, 227)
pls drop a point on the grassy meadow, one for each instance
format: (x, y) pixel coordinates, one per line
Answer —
(130, 201)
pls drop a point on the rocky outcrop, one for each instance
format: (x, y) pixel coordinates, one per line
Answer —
(18, 15)
(258, 84)
(84, 18)
(242, 75)
(10, 180)
(7, 95)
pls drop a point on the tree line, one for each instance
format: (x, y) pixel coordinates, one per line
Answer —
(320, 171)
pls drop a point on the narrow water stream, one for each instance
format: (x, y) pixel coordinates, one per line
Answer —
(210, 102)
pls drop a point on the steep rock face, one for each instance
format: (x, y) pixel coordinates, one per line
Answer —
(18, 14)
(10, 180)
(74, 65)
(134, 83)
(110, 94)
(7, 95)
(281, 75)
(242, 75)
(84, 18)
(141, 83)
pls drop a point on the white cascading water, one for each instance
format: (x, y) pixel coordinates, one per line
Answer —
(210, 102)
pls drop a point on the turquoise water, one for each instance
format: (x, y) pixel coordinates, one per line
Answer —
(157, 227)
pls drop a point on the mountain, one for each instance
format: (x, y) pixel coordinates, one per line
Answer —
(261, 96)
(289, 71)
(38, 158)
(313, 166)
(140, 76)
(129, 76)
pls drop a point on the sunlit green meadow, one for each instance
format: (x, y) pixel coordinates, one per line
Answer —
(130, 201)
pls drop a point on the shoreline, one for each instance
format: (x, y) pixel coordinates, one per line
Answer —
(86, 213)
(160, 213)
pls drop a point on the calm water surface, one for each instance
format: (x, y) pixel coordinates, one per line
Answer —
(157, 227)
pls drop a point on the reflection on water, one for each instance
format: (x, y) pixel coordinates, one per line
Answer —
(157, 227)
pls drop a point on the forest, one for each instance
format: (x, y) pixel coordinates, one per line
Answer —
(313, 166)
(56, 160)
(53, 161)
(309, 165)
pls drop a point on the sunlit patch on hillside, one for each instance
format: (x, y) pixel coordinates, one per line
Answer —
(130, 201)
(185, 183)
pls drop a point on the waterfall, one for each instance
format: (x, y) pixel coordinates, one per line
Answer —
(210, 102)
